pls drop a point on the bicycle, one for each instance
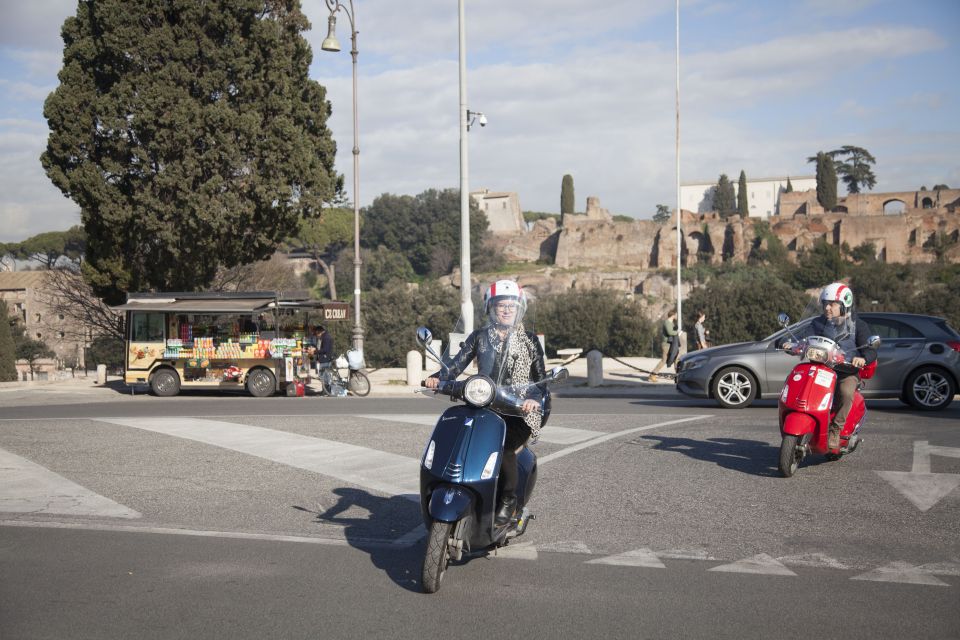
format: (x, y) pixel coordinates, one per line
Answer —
(357, 383)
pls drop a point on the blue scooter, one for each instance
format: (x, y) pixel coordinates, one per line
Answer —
(460, 468)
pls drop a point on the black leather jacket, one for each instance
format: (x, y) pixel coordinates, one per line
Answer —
(498, 365)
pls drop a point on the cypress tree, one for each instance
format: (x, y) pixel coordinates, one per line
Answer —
(830, 184)
(742, 207)
(189, 134)
(567, 200)
(8, 358)
(789, 188)
(724, 201)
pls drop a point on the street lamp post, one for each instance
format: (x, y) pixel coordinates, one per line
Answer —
(330, 43)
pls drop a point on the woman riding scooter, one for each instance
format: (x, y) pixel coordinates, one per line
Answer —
(510, 355)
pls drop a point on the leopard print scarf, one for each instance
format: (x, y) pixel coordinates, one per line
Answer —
(520, 354)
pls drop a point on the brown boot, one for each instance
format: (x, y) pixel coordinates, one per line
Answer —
(653, 378)
(833, 436)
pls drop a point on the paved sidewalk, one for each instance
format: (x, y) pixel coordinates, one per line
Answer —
(619, 379)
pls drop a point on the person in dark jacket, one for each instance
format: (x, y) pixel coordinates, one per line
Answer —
(839, 323)
(510, 355)
(321, 349)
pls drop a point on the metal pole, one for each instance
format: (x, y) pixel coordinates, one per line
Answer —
(357, 260)
(679, 229)
(466, 302)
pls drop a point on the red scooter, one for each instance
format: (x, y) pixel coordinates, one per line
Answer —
(806, 402)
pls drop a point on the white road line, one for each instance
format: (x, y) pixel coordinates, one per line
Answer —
(612, 436)
(387, 473)
(189, 532)
(26, 487)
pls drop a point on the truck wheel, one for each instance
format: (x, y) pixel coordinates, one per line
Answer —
(165, 383)
(261, 383)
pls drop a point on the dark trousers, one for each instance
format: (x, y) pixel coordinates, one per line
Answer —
(517, 434)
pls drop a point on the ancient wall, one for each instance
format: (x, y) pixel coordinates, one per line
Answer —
(591, 242)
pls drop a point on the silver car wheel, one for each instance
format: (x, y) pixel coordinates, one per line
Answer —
(734, 388)
(930, 389)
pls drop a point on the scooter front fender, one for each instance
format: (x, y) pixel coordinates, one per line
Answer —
(797, 423)
(449, 503)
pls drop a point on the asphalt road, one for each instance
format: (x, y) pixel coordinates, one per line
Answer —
(657, 517)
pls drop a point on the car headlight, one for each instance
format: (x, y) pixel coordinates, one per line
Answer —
(693, 363)
(479, 391)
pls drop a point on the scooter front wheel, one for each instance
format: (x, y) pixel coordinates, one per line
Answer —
(789, 455)
(435, 557)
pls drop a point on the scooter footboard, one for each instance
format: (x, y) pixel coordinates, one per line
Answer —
(797, 423)
(449, 503)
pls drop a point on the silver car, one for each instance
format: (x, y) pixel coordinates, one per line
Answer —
(919, 363)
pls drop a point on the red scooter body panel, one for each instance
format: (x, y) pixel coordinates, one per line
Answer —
(808, 393)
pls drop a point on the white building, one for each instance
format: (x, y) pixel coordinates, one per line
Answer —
(763, 194)
(502, 209)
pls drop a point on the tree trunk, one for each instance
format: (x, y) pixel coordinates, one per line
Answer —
(329, 270)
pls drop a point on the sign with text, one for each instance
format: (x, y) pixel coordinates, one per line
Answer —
(333, 311)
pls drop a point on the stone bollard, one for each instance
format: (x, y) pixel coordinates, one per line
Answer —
(414, 368)
(101, 374)
(594, 368)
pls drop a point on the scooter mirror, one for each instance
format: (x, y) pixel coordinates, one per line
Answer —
(424, 336)
(559, 374)
(783, 319)
(873, 342)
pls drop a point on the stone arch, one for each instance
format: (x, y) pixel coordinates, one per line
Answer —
(701, 245)
(926, 203)
(841, 209)
(894, 207)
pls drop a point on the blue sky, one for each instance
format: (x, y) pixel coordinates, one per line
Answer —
(579, 88)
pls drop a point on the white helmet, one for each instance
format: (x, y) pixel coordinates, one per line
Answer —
(838, 292)
(504, 291)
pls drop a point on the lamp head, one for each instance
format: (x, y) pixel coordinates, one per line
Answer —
(330, 43)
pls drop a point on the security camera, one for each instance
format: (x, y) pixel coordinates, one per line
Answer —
(482, 120)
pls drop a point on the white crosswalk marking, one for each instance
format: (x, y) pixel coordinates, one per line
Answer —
(26, 487)
(550, 434)
(636, 558)
(760, 563)
(902, 572)
(378, 470)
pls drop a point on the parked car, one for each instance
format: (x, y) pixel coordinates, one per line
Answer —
(919, 363)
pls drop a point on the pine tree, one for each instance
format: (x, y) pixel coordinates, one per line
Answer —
(8, 358)
(742, 207)
(190, 135)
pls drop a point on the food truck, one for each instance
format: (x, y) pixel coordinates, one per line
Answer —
(220, 340)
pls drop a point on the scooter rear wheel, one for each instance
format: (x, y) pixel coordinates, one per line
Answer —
(359, 384)
(789, 456)
(436, 557)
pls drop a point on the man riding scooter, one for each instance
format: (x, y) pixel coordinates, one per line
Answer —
(839, 323)
(510, 355)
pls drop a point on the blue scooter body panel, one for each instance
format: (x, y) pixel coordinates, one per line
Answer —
(449, 503)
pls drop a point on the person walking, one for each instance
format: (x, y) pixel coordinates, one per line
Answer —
(700, 331)
(668, 334)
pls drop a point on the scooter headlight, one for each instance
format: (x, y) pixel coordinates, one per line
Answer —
(817, 354)
(428, 455)
(479, 391)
